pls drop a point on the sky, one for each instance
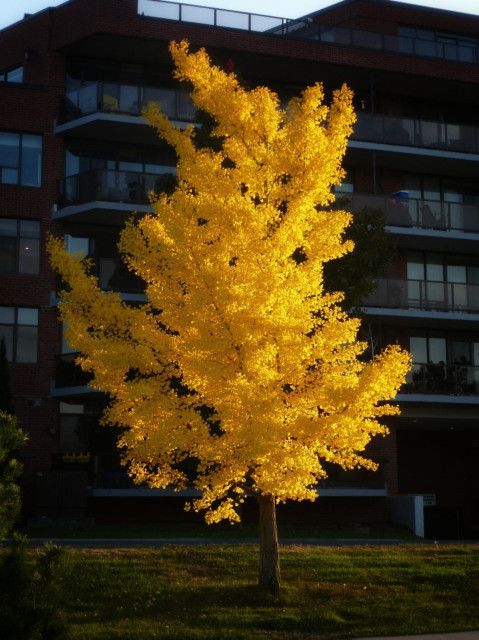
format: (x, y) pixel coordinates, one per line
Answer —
(11, 12)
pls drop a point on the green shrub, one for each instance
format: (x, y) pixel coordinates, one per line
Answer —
(31, 592)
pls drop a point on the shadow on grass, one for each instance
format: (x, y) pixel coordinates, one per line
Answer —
(212, 593)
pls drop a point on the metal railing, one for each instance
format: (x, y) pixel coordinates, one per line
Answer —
(397, 293)
(305, 29)
(420, 214)
(443, 379)
(125, 99)
(108, 185)
(225, 18)
(443, 136)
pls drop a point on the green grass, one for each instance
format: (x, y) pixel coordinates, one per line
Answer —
(210, 593)
(220, 531)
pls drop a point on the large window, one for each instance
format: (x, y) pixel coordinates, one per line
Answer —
(20, 159)
(19, 328)
(19, 246)
(12, 75)
(443, 281)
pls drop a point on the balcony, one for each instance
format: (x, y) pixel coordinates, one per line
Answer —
(113, 111)
(442, 379)
(421, 214)
(436, 136)
(108, 195)
(424, 295)
(106, 185)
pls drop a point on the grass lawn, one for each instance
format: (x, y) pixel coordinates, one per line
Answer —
(210, 593)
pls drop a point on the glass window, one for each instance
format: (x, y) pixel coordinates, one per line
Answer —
(12, 75)
(434, 268)
(20, 159)
(74, 244)
(15, 75)
(418, 348)
(19, 328)
(19, 246)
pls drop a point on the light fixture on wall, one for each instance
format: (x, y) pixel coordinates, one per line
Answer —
(30, 55)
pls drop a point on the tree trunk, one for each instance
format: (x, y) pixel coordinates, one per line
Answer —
(269, 574)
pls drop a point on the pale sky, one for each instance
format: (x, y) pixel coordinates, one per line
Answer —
(13, 11)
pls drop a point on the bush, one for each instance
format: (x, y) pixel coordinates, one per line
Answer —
(30, 592)
(12, 439)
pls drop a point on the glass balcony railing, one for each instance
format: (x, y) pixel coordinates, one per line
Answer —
(396, 293)
(421, 214)
(107, 185)
(447, 49)
(374, 127)
(442, 378)
(125, 99)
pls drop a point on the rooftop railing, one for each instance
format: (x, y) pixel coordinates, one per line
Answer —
(421, 214)
(426, 295)
(225, 18)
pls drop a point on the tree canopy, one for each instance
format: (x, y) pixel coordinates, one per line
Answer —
(239, 359)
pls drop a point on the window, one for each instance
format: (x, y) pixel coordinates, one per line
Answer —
(12, 75)
(19, 328)
(20, 159)
(19, 246)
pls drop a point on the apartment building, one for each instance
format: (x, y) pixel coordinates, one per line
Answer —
(76, 159)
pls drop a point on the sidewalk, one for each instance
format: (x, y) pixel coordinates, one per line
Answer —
(460, 635)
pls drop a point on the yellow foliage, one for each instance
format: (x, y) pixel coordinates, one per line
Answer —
(232, 313)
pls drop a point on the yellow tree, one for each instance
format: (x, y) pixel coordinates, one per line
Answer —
(238, 360)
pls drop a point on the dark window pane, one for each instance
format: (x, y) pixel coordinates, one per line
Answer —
(9, 176)
(31, 160)
(27, 344)
(7, 315)
(29, 229)
(7, 255)
(7, 334)
(9, 149)
(28, 316)
(8, 227)
(15, 75)
(29, 255)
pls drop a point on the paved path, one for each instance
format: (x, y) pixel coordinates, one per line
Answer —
(125, 543)
(461, 635)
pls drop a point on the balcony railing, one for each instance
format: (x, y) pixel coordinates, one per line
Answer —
(105, 185)
(395, 293)
(392, 43)
(373, 127)
(443, 379)
(125, 99)
(421, 214)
